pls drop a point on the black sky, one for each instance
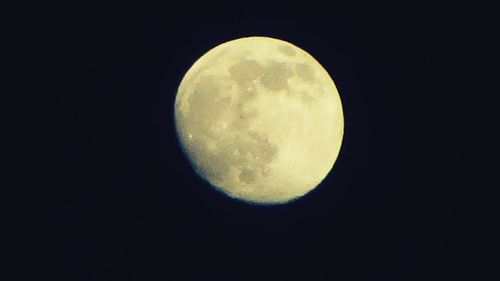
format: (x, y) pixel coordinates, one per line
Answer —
(117, 200)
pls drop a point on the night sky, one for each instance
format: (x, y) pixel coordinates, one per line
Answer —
(118, 200)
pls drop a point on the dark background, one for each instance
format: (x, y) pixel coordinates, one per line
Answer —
(115, 199)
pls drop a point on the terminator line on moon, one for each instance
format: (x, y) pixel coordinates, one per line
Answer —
(260, 119)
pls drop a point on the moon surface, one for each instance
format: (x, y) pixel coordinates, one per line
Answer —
(260, 119)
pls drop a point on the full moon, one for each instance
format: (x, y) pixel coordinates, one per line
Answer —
(259, 119)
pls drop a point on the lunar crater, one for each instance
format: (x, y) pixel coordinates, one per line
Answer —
(304, 72)
(287, 50)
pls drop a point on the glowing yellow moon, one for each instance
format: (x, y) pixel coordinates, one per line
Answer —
(260, 119)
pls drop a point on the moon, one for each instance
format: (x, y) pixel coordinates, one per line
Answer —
(259, 119)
